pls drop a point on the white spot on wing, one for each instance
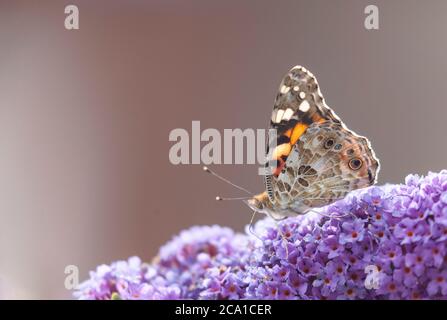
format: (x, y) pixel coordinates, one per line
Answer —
(274, 115)
(288, 114)
(284, 89)
(304, 106)
(279, 116)
(302, 95)
(296, 88)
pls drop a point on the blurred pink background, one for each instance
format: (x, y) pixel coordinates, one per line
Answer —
(85, 115)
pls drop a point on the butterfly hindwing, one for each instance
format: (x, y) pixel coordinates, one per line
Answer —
(325, 164)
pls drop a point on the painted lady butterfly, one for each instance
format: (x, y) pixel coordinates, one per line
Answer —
(316, 159)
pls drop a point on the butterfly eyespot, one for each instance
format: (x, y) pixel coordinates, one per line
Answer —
(337, 146)
(355, 163)
(329, 143)
(350, 152)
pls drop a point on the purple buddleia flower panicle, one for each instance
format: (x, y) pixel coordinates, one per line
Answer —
(382, 242)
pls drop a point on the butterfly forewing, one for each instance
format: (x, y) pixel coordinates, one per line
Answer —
(314, 159)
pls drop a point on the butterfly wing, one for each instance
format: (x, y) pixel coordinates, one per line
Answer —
(298, 104)
(325, 164)
(299, 108)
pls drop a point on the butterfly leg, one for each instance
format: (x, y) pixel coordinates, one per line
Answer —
(251, 226)
(278, 227)
(330, 216)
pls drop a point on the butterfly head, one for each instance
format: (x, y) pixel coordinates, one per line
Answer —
(260, 203)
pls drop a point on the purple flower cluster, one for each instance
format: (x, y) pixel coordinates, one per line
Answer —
(195, 264)
(384, 242)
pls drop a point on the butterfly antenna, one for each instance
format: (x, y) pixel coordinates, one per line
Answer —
(206, 169)
(219, 198)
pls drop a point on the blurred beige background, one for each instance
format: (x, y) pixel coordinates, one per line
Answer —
(85, 115)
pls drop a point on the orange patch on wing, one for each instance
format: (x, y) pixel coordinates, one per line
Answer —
(298, 130)
(281, 150)
(284, 149)
(317, 118)
(279, 168)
